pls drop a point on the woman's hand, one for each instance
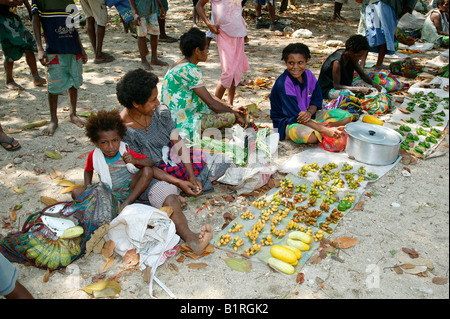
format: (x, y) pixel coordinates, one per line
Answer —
(304, 117)
(189, 188)
(128, 158)
(334, 132)
(378, 87)
(214, 28)
(197, 184)
(241, 113)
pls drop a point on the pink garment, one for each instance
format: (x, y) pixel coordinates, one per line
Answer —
(228, 15)
(233, 60)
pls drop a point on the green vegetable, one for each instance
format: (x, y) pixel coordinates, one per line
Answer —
(344, 205)
(418, 150)
(431, 139)
(405, 128)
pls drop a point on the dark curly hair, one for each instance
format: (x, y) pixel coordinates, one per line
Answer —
(104, 121)
(136, 86)
(357, 43)
(296, 48)
(192, 40)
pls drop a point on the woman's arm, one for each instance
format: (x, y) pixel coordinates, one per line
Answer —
(337, 81)
(214, 28)
(366, 78)
(436, 19)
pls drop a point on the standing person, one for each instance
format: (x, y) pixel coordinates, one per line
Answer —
(10, 287)
(146, 19)
(195, 13)
(16, 40)
(63, 56)
(274, 25)
(296, 102)
(230, 28)
(163, 37)
(8, 143)
(150, 129)
(111, 159)
(436, 26)
(96, 18)
(380, 21)
(338, 4)
(336, 74)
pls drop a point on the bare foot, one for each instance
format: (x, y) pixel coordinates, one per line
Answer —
(182, 201)
(50, 129)
(159, 62)
(38, 81)
(14, 86)
(77, 121)
(146, 66)
(204, 238)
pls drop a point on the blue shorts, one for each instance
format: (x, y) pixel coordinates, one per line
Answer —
(64, 71)
(263, 2)
(8, 276)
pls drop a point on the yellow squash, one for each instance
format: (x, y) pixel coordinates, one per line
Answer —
(372, 120)
(298, 244)
(299, 235)
(283, 253)
(281, 266)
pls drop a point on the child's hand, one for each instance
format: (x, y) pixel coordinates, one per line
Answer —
(137, 19)
(334, 132)
(42, 57)
(304, 117)
(214, 28)
(128, 158)
(189, 189)
(84, 57)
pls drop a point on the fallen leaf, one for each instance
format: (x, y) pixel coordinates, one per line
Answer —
(131, 257)
(359, 206)
(13, 216)
(167, 209)
(180, 259)
(18, 190)
(315, 259)
(34, 124)
(64, 182)
(439, 280)
(48, 200)
(46, 276)
(108, 249)
(109, 262)
(398, 270)
(31, 182)
(300, 278)
(53, 155)
(103, 289)
(344, 242)
(239, 264)
(229, 198)
(173, 268)
(197, 265)
(147, 274)
(96, 238)
(411, 252)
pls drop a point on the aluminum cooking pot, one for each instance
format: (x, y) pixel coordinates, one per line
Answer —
(372, 144)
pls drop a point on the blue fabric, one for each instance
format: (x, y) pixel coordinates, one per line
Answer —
(8, 276)
(381, 23)
(285, 105)
(123, 7)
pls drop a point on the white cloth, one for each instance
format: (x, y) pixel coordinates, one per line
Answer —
(102, 168)
(148, 230)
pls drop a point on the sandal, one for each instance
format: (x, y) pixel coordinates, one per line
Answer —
(107, 59)
(168, 40)
(10, 142)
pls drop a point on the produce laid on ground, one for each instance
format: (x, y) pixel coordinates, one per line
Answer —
(283, 227)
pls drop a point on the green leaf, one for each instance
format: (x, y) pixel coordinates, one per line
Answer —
(239, 264)
(53, 155)
(103, 289)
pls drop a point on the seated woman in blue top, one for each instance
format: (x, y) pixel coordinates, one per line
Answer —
(296, 102)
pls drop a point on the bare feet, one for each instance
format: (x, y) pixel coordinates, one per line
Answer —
(146, 66)
(38, 81)
(158, 62)
(14, 86)
(204, 238)
(182, 201)
(77, 121)
(50, 129)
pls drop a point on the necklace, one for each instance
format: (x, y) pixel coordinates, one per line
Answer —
(144, 126)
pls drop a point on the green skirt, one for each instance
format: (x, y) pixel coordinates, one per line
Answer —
(15, 39)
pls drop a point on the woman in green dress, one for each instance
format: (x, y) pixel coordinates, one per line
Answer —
(184, 92)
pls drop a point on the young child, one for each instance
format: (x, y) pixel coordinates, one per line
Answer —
(16, 41)
(146, 19)
(114, 162)
(9, 286)
(230, 28)
(296, 102)
(63, 56)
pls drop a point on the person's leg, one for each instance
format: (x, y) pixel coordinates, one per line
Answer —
(143, 52)
(100, 33)
(91, 31)
(73, 98)
(31, 61)
(231, 93)
(154, 47)
(220, 91)
(53, 125)
(381, 54)
(274, 24)
(337, 11)
(10, 144)
(260, 24)
(196, 241)
(10, 83)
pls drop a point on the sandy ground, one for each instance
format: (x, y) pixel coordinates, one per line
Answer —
(365, 271)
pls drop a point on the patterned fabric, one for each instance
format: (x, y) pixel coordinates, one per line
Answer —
(39, 246)
(218, 121)
(381, 23)
(186, 107)
(15, 38)
(145, 8)
(407, 68)
(380, 103)
(179, 171)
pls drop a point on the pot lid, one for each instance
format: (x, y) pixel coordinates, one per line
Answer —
(372, 133)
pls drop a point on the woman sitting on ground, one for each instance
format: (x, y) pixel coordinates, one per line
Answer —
(336, 74)
(436, 26)
(296, 102)
(184, 92)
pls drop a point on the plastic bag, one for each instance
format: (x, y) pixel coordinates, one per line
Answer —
(379, 103)
(331, 144)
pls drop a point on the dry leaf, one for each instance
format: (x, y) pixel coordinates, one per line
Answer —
(63, 182)
(197, 265)
(147, 274)
(344, 242)
(13, 216)
(48, 200)
(103, 289)
(439, 281)
(300, 278)
(18, 190)
(411, 252)
(109, 262)
(46, 276)
(108, 249)
(167, 209)
(53, 155)
(359, 206)
(71, 188)
(173, 268)
(315, 259)
(96, 238)
(398, 270)
(31, 182)
(55, 174)
(180, 259)
(131, 257)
